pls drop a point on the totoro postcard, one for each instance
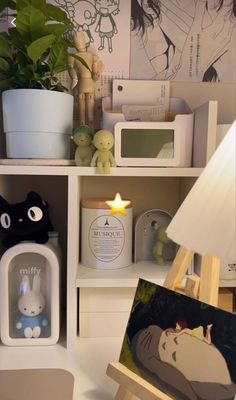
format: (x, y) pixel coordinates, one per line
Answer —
(182, 346)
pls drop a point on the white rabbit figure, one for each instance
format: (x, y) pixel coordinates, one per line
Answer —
(31, 304)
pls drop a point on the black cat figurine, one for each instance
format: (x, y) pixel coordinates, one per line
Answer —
(28, 220)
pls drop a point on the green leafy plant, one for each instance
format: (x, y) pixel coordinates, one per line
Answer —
(34, 51)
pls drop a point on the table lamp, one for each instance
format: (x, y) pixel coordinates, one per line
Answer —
(205, 224)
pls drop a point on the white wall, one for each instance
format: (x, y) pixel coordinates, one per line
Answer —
(196, 94)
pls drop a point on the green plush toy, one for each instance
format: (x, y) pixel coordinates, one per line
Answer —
(83, 137)
(103, 158)
(160, 247)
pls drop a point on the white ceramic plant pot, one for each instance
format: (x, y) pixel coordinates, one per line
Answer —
(38, 123)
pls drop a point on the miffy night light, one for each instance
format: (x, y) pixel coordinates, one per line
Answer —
(32, 322)
(103, 140)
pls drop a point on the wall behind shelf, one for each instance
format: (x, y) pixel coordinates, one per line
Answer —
(197, 93)
(145, 192)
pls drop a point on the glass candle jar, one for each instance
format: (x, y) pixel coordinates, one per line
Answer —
(106, 240)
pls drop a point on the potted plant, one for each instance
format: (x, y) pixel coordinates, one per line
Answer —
(37, 113)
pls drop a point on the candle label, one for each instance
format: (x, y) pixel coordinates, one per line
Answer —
(106, 238)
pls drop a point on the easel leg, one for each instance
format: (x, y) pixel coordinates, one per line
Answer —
(179, 268)
(123, 394)
(209, 280)
(132, 384)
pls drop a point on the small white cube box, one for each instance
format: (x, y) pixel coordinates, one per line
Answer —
(104, 312)
(29, 290)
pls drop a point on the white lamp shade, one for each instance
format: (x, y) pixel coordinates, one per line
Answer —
(205, 222)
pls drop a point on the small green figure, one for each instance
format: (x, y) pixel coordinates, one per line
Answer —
(161, 243)
(83, 137)
(103, 140)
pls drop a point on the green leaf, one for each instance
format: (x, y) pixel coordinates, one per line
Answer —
(81, 60)
(4, 46)
(25, 3)
(38, 3)
(7, 3)
(58, 57)
(4, 66)
(56, 14)
(56, 29)
(30, 23)
(22, 4)
(6, 84)
(39, 47)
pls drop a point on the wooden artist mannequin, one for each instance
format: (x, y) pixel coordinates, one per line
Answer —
(85, 78)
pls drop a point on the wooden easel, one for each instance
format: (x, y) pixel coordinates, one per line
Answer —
(204, 288)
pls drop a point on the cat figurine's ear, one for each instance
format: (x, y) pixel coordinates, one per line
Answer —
(33, 196)
(3, 202)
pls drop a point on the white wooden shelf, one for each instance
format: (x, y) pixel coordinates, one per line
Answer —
(65, 170)
(123, 277)
(91, 381)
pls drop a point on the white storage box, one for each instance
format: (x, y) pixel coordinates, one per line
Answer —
(155, 144)
(104, 312)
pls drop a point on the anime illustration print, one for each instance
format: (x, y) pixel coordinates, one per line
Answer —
(106, 26)
(84, 19)
(182, 346)
(183, 40)
(95, 17)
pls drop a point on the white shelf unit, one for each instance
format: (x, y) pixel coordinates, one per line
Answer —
(105, 297)
(123, 277)
(63, 187)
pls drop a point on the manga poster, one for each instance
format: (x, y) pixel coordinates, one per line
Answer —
(183, 40)
(182, 346)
